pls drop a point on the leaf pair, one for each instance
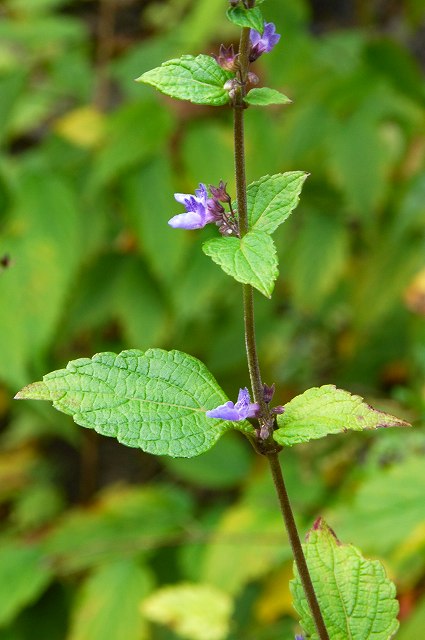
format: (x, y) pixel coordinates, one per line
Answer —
(157, 401)
(252, 259)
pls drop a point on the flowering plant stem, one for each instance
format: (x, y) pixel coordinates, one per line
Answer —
(251, 348)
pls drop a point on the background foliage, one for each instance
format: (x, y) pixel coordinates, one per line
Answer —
(93, 534)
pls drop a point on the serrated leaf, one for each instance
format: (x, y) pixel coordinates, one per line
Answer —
(242, 17)
(198, 79)
(321, 411)
(154, 400)
(263, 96)
(24, 575)
(272, 199)
(356, 597)
(193, 611)
(250, 260)
(101, 615)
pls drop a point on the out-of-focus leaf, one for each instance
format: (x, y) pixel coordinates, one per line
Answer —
(83, 126)
(250, 260)
(193, 611)
(225, 465)
(123, 523)
(24, 574)
(321, 411)
(16, 468)
(154, 400)
(212, 140)
(242, 17)
(43, 241)
(11, 86)
(252, 534)
(128, 142)
(199, 79)
(43, 36)
(356, 598)
(148, 198)
(263, 96)
(385, 509)
(317, 259)
(100, 615)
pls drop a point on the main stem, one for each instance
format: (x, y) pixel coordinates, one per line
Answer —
(251, 346)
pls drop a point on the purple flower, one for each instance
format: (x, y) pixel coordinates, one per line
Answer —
(243, 408)
(263, 43)
(299, 637)
(197, 212)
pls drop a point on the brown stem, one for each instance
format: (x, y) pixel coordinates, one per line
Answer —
(267, 446)
(294, 539)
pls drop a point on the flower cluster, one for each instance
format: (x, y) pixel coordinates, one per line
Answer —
(202, 209)
(243, 408)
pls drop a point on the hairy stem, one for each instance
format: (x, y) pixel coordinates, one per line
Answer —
(251, 346)
(294, 539)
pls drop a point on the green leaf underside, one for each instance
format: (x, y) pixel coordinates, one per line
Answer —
(356, 597)
(198, 79)
(321, 411)
(263, 96)
(154, 400)
(250, 260)
(272, 199)
(242, 17)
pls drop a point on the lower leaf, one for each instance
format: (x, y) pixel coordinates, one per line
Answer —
(356, 598)
(154, 400)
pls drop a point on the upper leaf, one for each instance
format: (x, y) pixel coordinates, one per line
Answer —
(356, 597)
(242, 17)
(250, 260)
(321, 411)
(198, 79)
(263, 96)
(154, 400)
(272, 199)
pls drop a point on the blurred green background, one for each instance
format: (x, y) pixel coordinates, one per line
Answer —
(89, 163)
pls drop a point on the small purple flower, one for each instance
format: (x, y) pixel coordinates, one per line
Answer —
(299, 637)
(197, 212)
(263, 43)
(243, 408)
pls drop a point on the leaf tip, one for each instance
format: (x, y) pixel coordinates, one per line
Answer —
(34, 391)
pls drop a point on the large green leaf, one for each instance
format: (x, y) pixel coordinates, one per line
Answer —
(272, 199)
(325, 410)
(250, 260)
(356, 597)
(199, 79)
(101, 614)
(154, 400)
(24, 574)
(193, 611)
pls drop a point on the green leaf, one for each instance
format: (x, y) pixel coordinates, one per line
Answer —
(321, 411)
(198, 79)
(356, 597)
(154, 400)
(193, 611)
(24, 574)
(250, 260)
(264, 96)
(272, 199)
(101, 614)
(242, 17)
